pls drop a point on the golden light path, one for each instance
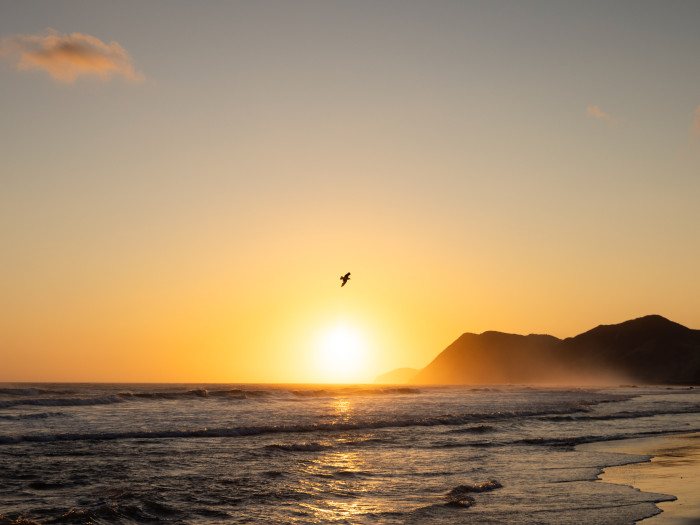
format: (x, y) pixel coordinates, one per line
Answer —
(334, 473)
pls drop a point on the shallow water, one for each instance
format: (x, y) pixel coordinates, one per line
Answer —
(324, 454)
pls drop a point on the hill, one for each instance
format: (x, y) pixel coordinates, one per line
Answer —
(650, 349)
(491, 357)
(397, 377)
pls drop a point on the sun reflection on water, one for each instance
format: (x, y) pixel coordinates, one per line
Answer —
(342, 410)
(340, 476)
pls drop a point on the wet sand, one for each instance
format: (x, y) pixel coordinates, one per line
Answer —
(674, 469)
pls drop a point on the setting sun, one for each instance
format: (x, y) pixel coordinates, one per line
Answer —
(342, 353)
(329, 262)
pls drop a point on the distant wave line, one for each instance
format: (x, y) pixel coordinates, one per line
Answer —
(446, 420)
(695, 409)
(235, 394)
(20, 417)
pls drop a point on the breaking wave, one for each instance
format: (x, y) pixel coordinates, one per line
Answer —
(299, 447)
(479, 429)
(25, 391)
(355, 392)
(62, 401)
(20, 417)
(460, 496)
(636, 414)
(443, 420)
(571, 441)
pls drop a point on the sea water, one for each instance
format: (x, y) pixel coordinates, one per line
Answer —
(172, 453)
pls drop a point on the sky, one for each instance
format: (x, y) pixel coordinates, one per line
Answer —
(183, 183)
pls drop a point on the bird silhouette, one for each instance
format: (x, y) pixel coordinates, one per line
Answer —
(345, 278)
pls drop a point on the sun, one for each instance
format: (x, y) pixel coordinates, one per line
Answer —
(342, 353)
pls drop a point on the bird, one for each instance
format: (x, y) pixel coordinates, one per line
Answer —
(345, 278)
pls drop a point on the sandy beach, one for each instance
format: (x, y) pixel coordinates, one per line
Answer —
(674, 469)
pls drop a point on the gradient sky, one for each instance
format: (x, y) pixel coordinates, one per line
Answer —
(182, 183)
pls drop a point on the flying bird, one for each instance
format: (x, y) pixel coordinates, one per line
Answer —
(345, 278)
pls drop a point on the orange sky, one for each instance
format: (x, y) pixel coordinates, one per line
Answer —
(182, 187)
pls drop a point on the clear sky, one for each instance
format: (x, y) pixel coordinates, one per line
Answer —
(183, 183)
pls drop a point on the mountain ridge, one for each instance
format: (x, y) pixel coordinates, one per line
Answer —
(649, 349)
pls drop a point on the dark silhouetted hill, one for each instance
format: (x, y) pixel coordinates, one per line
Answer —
(650, 349)
(491, 357)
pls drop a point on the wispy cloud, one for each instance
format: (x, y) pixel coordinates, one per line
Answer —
(696, 122)
(68, 57)
(596, 112)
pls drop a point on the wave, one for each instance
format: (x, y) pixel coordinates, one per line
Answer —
(299, 447)
(444, 420)
(147, 511)
(122, 397)
(368, 442)
(355, 392)
(344, 474)
(447, 444)
(695, 409)
(25, 391)
(479, 429)
(460, 496)
(20, 417)
(189, 394)
(6, 520)
(62, 401)
(242, 394)
(238, 393)
(197, 393)
(571, 441)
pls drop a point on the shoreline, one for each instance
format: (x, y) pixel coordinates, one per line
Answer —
(673, 469)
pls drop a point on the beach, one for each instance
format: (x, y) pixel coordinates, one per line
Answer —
(673, 469)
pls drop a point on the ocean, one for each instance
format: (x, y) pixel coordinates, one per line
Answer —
(225, 453)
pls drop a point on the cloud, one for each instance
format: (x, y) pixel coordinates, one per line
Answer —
(68, 57)
(696, 122)
(596, 112)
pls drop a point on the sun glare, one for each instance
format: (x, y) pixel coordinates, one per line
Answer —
(342, 354)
